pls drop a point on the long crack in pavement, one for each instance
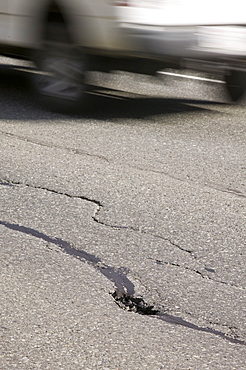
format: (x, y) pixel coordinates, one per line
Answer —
(57, 146)
(207, 184)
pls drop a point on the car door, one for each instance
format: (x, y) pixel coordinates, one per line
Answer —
(21, 21)
(8, 16)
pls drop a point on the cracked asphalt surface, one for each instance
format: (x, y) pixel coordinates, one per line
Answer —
(140, 201)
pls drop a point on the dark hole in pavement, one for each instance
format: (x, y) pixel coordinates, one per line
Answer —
(134, 304)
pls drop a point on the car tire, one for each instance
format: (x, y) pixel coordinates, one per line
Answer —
(60, 78)
(236, 85)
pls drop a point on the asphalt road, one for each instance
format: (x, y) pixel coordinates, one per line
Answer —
(123, 228)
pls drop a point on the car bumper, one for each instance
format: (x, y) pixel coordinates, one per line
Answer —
(201, 42)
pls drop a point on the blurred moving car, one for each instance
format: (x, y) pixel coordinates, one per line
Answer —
(66, 39)
(208, 36)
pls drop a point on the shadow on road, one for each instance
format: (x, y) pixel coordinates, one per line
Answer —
(18, 101)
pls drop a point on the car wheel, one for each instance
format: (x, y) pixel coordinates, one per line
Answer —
(60, 78)
(236, 84)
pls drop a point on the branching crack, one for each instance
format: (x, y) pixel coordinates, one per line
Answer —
(210, 185)
(12, 183)
(140, 230)
(124, 293)
(94, 217)
(160, 262)
(118, 227)
(204, 276)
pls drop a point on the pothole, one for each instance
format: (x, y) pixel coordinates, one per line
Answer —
(134, 304)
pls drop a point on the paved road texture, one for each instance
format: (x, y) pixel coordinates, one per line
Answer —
(123, 228)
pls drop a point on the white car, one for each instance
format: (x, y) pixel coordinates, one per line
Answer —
(68, 38)
(205, 35)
